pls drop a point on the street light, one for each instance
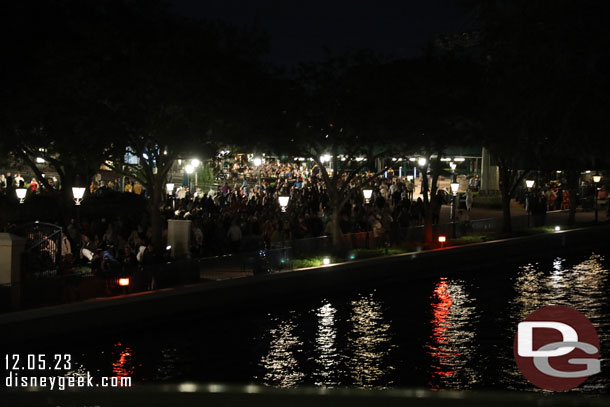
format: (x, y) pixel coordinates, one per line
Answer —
(367, 195)
(454, 189)
(421, 161)
(283, 202)
(21, 192)
(529, 183)
(169, 187)
(257, 161)
(78, 193)
(452, 165)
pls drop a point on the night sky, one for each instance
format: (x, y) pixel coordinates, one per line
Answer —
(299, 30)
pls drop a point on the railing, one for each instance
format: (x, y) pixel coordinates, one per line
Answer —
(42, 248)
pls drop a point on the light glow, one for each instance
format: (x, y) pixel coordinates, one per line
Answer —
(124, 282)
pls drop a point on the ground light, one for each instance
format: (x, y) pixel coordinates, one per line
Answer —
(326, 261)
(442, 239)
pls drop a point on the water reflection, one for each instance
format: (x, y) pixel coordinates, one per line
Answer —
(280, 363)
(582, 286)
(326, 355)
(123, 366)
(369, 344)
(451, 344)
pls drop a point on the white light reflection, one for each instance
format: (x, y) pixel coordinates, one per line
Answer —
(280, 364)
(327, 357)
(369, 345)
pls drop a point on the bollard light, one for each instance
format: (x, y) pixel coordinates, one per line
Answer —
(442, 239)
(557, 228)
(326, 261)
(124, 282)
(283, 202)
(78, 193)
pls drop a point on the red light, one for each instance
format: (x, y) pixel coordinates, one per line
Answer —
(442, 239)
(123, 282)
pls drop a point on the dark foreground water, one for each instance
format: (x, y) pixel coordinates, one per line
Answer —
(453, 332)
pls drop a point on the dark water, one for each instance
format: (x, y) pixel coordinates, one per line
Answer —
(453, 332)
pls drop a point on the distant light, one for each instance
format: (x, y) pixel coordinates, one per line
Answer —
(359, 158)
(124, 282)
(442, 239)
(459, 159)
(588, 172)
(326, 261)
(325, 158)
(257, 161)
(195, 162)
(352, 256)
(40, 160)
(412, 159)
(168, 247)
(393, 159)
(422, 161)
(189, 169)
(529, 183)
(557, 228)
(446, 159)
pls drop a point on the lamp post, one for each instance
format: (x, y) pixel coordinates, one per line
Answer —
(529, 183)
(454, 189)
(367, 193)
(77, 193)
(189, 170)
(169, 187)
(596, 179)
(257, 163)
(283, 200)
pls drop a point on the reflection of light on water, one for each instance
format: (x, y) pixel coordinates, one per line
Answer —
(169, 364)
(451, 343)
(369, 344)
(582, 286)
(280, 365)
(124, 365)
(327, 358)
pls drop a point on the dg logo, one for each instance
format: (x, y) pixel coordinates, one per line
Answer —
(556, 348)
